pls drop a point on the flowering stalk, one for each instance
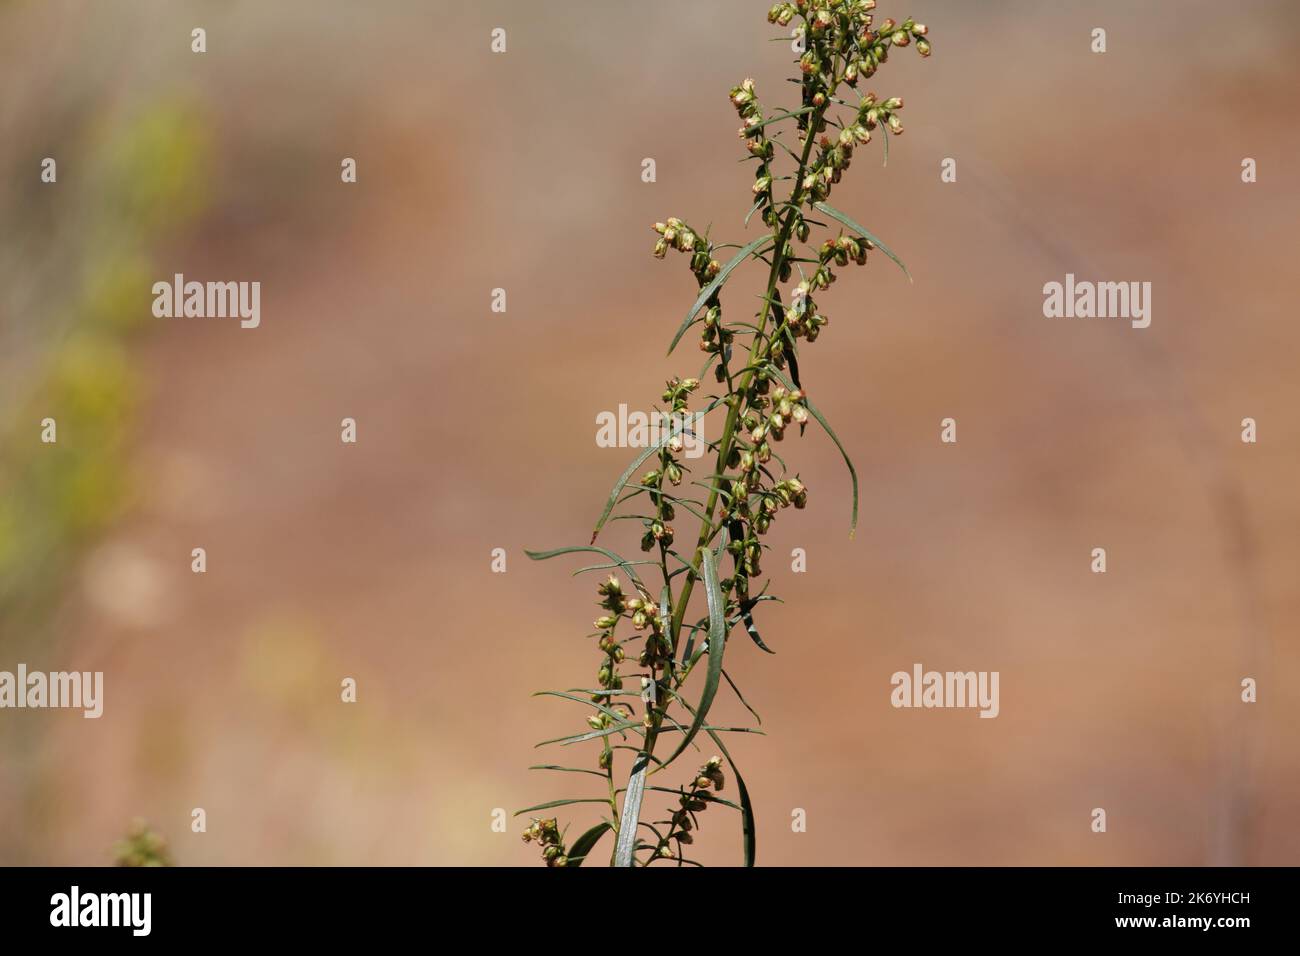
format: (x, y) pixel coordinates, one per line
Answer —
(756, 366)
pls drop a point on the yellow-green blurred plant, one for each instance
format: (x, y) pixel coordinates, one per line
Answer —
(142, 846)
(148, 179)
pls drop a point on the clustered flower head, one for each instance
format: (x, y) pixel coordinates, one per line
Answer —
(691, 803)
(744, 99)
(644, 615)
(675, 234)
(548, 837)
(832, 21)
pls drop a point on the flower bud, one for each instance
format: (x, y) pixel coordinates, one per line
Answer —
(923, 47)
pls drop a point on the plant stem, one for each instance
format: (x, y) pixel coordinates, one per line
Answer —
(707, 530)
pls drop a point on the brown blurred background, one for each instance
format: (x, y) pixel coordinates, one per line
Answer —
(476, 430)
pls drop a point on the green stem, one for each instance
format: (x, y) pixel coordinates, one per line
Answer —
(707, 529)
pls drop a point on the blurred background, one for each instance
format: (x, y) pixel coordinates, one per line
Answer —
(476, 429)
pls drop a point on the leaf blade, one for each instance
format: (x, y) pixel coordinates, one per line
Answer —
(748, 827)
(561, 803)
(625, 848)
(821, 420)
(865, 234)
(581, 847)
(716, 283)
(717, 646)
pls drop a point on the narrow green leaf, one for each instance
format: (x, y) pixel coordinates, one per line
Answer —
(835, 213)
(821, 420)
(783, 116)
(678, 427)
(623, 563)
(705, 796)
(561, 803)
(707, 292)
(582, 846)
(551, 766)
(625, 848)
(593, 734)
(746, 805)
(608, 567)
(741, 696)
(585, 701)
(751, 629)
(717, 645)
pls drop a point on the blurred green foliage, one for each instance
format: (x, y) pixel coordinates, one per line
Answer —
(148, 180)
(141, 847)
